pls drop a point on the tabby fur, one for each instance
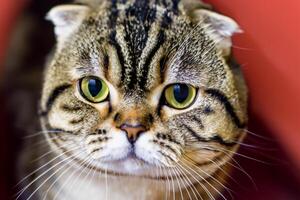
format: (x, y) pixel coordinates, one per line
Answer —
(139, 47)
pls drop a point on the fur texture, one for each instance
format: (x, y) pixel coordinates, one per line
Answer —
(139, 47)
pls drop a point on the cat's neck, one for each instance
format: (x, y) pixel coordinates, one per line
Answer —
(94, 186)
(84, 184)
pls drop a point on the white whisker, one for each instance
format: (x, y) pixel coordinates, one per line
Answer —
(57, 178)
(74, 181)
(259, 136)
(197, 180)
(42, 133)
(216, 180)
(69, 160)
(42, 174)
(44, 165)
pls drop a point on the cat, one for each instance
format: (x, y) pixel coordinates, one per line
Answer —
(140, 100)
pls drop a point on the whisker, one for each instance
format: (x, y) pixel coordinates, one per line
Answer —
(259, 136)
(173, 187)
(90, 168)
(69, 160)
(184, 179)
(43, 132)
(255, 147)
(216, 180)
(93, 176)
(234, 153)
(169, 186)
(38, 177)
(240, 168)
(225, 172)
(44, 165)
(59, 177)
(245, 156)
(201, 184)
(227, 152)
(44, 141)
(166, 188)
(189, 183)
(48, 152)
(242, 48)
(178, 182)
(205, 179)
(86, 160)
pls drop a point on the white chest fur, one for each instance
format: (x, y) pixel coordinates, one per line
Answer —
(76, 185)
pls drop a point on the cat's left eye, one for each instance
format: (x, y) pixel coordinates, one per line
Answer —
(180, 96)
(93, 89)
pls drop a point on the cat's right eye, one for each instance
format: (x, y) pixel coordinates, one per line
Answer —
(180, 96)
(93, 89)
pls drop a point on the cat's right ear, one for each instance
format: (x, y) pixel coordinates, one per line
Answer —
(66, 19)
(219, 27)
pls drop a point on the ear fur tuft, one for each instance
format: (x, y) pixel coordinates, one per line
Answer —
(219, 27)
(66, 19)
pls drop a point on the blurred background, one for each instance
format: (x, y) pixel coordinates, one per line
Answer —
(269, 54)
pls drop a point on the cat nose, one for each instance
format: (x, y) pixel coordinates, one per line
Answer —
(133, 131)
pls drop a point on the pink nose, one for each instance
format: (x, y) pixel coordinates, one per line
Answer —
(133, 131)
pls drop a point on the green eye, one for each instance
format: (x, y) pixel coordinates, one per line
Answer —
(180, 96)
(93, 89)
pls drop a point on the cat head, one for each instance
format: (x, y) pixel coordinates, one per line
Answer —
(140, 88)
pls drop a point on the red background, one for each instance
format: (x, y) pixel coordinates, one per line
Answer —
(269, 51)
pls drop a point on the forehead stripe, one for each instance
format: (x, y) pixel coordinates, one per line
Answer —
(131, 41)
(159, 42)
(137, 31)
(112, 37)
(166, 21)
(115, 44)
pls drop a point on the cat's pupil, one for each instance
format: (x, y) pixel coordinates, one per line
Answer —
(95, 87)
(181, 92)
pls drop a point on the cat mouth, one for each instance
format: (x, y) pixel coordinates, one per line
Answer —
(137, 166)
(131, 157)
(138, 163)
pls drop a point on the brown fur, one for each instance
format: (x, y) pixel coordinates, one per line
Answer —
(182, 152)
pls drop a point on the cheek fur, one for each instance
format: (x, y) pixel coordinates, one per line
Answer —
(107, 143)
(159, 148)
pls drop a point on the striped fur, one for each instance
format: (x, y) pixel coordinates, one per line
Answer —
(139, 47)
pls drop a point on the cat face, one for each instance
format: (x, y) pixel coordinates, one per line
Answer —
(142, 90)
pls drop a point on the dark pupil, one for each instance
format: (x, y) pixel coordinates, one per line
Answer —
(95, 87)
(181, 92)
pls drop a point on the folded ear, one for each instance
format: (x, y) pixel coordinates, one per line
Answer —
(219, 27)
(66, 19)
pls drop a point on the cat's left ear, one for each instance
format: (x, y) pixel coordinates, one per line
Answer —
(66, 19)
(219, 27)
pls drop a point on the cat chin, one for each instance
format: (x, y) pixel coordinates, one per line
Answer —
(130, 165)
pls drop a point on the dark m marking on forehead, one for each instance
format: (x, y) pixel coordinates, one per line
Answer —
(140, 17)
(113, 42)
(165, 22)
(143, 79)
(136, 19)
(112, 37)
